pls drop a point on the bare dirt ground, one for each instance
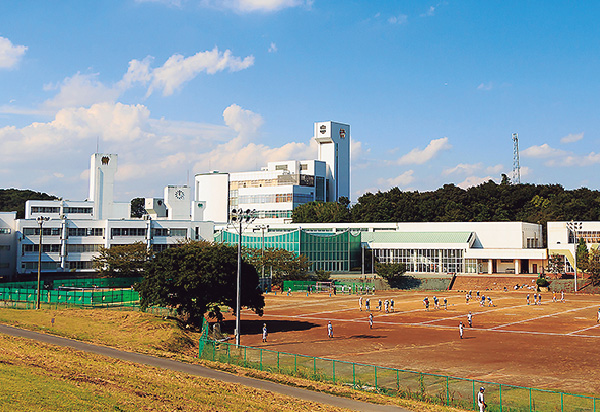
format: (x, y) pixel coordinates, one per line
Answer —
(553, 345)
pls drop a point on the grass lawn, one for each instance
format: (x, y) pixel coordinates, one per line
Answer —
(36, 376)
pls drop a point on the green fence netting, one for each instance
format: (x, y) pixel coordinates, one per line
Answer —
(433, 388)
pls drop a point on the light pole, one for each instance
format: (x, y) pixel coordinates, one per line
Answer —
(573, 226)
(239, 217)
(262, 250)
(40, 220)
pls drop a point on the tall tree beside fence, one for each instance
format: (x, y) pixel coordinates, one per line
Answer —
(199, 277)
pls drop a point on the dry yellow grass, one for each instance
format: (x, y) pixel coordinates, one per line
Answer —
(88, 379)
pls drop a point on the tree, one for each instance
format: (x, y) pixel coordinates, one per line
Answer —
(593, 266)
(323, 212)
(556, 264)
(122, 260)
(284, 265)
(138, 207)
(13, 200)
(198, 277)
(392, 272)
(582, 255)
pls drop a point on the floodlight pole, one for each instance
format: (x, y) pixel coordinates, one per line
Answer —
(238, 216)
(239, 287)
(572, 226)
(40, 220)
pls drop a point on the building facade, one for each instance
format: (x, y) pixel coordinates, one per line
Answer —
(275, 190)
(76, 230)
(437, 247)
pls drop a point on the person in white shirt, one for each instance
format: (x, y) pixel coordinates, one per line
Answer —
(480, 400)
(329, 329)
(360, 303)
(461, 328)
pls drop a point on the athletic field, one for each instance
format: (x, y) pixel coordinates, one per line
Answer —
(553, 345)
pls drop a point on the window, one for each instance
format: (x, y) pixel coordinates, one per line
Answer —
(47, 248)
(128, 231)
(80, 265)
(4, 247)
(178, 232)
(281, 167)
(45, 265)
(4, 265)
(4, 231)
(160, 248)
(303, 166)
(45, 209)
(82, 231)
(87, 210)
(160, 232)
(83, 248)
(35, 231)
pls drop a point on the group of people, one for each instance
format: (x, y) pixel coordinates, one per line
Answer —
(388, 305)
(481, 298)
(537, 299)
(436, 303)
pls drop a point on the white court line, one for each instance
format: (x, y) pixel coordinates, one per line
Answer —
(541, 317)
(583, 330)
(523, 332)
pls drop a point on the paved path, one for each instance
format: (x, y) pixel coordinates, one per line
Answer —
(203, 371)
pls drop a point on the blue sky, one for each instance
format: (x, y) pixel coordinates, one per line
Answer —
(432, 90)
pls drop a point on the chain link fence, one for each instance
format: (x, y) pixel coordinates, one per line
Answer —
(432, 388)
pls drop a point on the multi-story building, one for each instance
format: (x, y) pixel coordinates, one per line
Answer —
(275, 190)
(76, 230)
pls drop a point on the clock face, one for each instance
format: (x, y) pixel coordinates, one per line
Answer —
(179, 194)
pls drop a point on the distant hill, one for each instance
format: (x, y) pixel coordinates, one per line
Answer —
(14, 200)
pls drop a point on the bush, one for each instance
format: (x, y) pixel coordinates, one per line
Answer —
(542, 281)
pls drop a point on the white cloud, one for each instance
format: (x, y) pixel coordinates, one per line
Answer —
(418, 156)
(473, 181)
(400, 180)
(80, 90)
(248, 6)
(245, 122)
(86, 89)
(10, 54)
(494, 169)
(542, 151)
(399, 19)
(273, 48)
(178, 69)
(462, 168)
(570, 160)
(430, 12)
(571, 138)
(485, 86)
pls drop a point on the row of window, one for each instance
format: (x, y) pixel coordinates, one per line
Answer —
(423, 260)
(35, 231)
(81, 265)
(158, 232)
(56, 209)
(5, 231)
(274, 198)
(4, 247)
(589, 236)
(86, 231)
(46, 248)
(85, 248)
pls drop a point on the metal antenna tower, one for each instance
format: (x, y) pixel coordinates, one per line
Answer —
(516, 172)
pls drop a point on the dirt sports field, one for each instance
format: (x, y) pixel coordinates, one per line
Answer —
(553, 345)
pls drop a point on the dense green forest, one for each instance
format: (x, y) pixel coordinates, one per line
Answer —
(14, 200)
(489, 201)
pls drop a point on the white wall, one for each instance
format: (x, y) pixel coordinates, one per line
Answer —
(213, 189)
